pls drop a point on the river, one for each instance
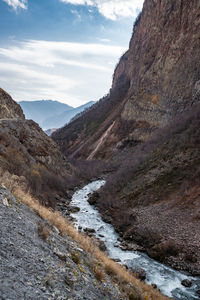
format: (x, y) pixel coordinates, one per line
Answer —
(167, 279)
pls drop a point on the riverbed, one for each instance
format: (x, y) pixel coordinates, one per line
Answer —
(167, 279)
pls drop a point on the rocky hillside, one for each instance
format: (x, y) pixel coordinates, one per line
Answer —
(9, 109)
(38, 263)
(155, 80)
(26, 150)
(44, 257)
(153, 197)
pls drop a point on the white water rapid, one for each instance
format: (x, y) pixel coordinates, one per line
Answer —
(166, 279)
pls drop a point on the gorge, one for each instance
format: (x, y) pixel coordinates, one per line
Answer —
(126, 172)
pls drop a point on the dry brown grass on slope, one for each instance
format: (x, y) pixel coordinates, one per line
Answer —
(143, 291)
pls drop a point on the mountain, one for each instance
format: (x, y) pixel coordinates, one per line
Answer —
(25, 150)
(60, 119)
(147, 128)
(51, 114)
(9, 109)
(154, 81)
(40, 110)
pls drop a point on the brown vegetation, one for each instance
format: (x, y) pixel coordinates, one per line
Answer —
(158, 183)
(25, 150)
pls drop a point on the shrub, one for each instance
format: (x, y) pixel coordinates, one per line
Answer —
(109, 270)
(99, 273)
(75, 257)
(43, 231)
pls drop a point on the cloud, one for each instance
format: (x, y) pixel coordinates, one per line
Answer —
(50, 53)
(70, 72)
(15, 4)
(112, 9)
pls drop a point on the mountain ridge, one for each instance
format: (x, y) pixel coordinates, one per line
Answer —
(50, 113)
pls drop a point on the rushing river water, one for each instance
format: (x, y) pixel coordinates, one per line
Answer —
(167, 279)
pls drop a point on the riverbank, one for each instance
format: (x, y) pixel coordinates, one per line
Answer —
(167, 279)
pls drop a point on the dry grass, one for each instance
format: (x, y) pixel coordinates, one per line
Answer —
(99, 273)
(55, 219)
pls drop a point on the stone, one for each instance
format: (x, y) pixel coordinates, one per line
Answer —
(5, 202)
(140, 273)
(197, 293)
(9, 109)
(89, 230)
(154, 286)
(186, 282)
(74, 209)
(93, 198)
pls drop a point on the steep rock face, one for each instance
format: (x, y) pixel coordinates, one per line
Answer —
(163, 61)
(9, 109)
(155, 80)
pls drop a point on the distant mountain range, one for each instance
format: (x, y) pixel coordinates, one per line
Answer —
(51, 114)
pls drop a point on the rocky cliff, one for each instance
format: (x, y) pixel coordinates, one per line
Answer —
(156, 79)
(26, 150)
(9, 109)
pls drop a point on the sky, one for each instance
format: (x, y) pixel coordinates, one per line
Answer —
(64, 50)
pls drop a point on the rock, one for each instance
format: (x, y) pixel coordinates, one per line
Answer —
(5, 202)
(93, 198)
(101, 235)
(186, 283)
(61, 255)
(107, 219)
(9, 109)
(117, 260)
(126, 267)
(120, 239)
(89, 230)
(197, 293)
(74, 209)
(102, 246)
(140, 273)
(154, 285)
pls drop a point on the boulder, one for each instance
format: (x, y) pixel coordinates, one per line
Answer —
(186, 283)
(93, 198)
(140, 273)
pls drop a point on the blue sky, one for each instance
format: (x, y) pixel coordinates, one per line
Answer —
(64, 50)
